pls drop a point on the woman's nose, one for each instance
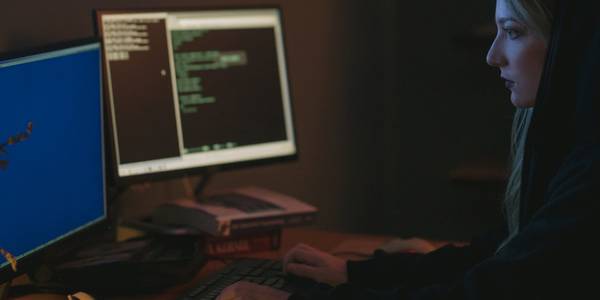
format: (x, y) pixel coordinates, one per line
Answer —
(494, 56)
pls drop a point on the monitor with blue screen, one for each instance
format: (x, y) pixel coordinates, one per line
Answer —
(51, 150)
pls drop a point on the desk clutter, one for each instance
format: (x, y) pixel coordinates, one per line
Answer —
(241, 220)
(261, 240)
(237, 221)
(162, 254)
(238, 211)
(141, 265)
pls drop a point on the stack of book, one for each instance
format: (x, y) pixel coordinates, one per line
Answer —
(261, 240)
(238, 221)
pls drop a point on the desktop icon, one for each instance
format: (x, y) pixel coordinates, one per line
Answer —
(13, 140)
(10, 258)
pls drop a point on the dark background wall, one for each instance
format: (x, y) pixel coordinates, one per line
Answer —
(388, 104)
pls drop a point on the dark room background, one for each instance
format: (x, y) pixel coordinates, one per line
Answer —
(402, 127)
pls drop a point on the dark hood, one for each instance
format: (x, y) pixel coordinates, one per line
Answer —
(550, 256)
(566, 120)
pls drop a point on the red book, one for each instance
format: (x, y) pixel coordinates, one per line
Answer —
(243, 243)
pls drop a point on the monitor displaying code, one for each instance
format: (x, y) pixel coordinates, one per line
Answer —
(191, 89)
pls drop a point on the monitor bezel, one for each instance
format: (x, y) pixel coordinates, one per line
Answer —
(125, 181)
(53, 251)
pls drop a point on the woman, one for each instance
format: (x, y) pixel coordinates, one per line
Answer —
(552, 199)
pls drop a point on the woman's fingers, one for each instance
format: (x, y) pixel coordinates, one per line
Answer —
(301, 253)
(303, 270)
(229, 293)
(305, 261)
(304, 257)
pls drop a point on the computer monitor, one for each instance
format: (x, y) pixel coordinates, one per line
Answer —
(191, 89)
(52, 181)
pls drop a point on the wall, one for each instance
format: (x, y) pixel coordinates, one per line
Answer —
(386, 105)
(443, 108)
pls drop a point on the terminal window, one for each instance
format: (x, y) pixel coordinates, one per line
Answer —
(183, 84)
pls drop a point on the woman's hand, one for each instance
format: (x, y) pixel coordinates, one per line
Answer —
(305, 261)
(244, 290)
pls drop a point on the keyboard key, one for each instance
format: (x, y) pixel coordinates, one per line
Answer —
(257, 280)
(272, 273)
(246, 271)
(213, 280)
(277, 265)
(197, 291)
(271, 281)
(257, 272)
(279, 284)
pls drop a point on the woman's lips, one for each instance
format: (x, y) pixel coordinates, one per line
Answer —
(508, 83)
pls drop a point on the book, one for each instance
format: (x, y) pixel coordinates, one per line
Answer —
(244, 243)
(237, 211)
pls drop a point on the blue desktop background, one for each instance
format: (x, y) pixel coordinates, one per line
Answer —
(53, 183)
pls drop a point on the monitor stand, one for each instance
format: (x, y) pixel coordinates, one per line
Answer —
(207, 175)
(195, 194)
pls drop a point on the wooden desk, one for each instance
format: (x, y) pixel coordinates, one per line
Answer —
(324, 240)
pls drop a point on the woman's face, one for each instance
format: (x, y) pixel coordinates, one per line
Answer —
(519, 52)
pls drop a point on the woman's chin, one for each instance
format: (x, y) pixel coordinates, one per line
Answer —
(520, 102)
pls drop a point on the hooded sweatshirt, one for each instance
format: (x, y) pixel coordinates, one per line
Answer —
(552, 256)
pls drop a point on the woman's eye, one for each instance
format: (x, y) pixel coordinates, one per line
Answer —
(512, 34)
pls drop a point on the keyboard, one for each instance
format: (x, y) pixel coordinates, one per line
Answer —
(259, 271)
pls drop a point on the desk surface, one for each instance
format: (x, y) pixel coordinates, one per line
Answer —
(324, 240)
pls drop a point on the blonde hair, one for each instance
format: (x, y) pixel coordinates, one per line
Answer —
(536, 14)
